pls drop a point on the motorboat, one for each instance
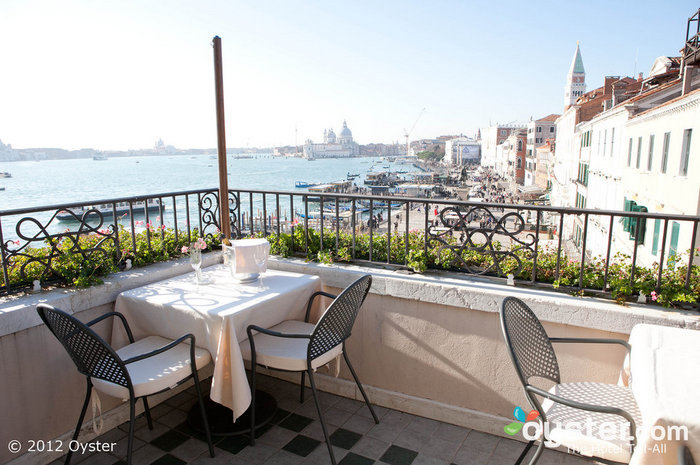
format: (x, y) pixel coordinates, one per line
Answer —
(107, 210)
(5, 174)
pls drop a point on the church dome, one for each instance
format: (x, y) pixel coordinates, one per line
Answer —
(345, 133)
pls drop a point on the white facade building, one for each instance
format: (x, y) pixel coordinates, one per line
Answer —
(342, 146)
(461, 151)
(639, 155)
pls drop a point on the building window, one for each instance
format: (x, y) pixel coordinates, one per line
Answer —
(605, 142)
(539, 128)
(520, 163)
(551, 129)
(520, 146)
(664, 153)
(685, 153)
(629, 154)
(503, 132)
(583, 173)
(639, 151)
(651, 152)
(612, 141)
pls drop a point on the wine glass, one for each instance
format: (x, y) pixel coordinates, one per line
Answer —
(260, 257)
(196, 261)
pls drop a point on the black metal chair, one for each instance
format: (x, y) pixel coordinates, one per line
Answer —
(138, 370)
(300, 346)
(571, 403)
(684, 456)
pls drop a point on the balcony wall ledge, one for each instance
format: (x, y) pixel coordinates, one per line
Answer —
(17, 313)
(485, 294)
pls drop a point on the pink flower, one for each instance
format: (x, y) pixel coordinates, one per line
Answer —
(184, 249)
(200, 244)
(104, 231)
(162, 226)
(157, 218)
(139, 223)
(148, 225)
(17, 242)
(653, 296)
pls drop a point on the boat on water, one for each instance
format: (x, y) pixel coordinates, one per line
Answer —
(5, 174)
(352, 176)
(100, 157)
(302, 184)
(106, 210)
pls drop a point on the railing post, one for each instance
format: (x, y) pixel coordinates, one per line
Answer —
(3, 251)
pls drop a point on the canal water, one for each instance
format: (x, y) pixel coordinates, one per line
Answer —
(55, 182)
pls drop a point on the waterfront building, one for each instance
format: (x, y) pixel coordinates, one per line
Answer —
(513, 156)
(491, 137)
(538, 131)
(6, 153)
(461, 151)
(544, 156)
(342, 146)
(629, 146)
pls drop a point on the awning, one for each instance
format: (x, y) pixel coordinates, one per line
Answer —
(531, 190)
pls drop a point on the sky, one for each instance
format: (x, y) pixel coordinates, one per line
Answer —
(119, 75)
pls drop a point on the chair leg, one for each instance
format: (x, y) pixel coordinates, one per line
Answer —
(359, 385)
(252, 402)
(147, 411)
(303, 381)
(132, 424)
(538, 453)
(320, 416)
(200, 399)
(80, 419)
(524, 452)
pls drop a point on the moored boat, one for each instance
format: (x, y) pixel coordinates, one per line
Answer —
(107, 210)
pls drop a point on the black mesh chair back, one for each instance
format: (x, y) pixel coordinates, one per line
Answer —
(530, 349)
(684, 456)
(91, 354)
(335, 326)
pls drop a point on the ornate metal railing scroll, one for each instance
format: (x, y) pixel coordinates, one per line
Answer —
(41, 261)
(209, 213)
(477, 229)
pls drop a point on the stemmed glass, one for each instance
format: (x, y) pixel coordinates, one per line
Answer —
(260, 257)
(196, 261)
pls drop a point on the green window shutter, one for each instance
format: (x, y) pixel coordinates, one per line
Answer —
(675, 228)
(642, 225)
(626, 220)
(655, 243)
(634, 221)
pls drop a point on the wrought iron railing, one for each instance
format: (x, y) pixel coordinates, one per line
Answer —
(512, 238)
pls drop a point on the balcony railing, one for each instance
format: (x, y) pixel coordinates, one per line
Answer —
(551, 246)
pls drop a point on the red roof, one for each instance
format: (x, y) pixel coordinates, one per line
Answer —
(551, 117)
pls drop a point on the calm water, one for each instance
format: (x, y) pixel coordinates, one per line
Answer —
(85, 180)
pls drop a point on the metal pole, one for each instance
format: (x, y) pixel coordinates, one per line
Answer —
(221, 141)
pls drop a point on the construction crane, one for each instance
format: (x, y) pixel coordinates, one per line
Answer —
(407, 134)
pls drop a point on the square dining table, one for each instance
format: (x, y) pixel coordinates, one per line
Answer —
(217, 314)
(665, 379)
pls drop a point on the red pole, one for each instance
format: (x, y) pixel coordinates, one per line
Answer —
(221, 142)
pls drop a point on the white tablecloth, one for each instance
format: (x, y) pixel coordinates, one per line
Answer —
(217, 314)
(665, 380)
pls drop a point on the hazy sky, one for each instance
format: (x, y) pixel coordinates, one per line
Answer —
(121, 74)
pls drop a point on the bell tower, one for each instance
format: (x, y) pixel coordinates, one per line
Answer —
(575, 80)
